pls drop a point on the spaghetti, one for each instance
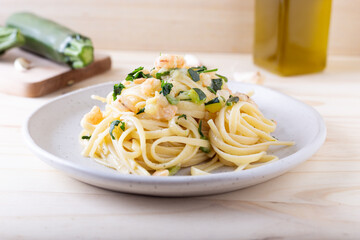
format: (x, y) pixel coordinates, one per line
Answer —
(157, 122)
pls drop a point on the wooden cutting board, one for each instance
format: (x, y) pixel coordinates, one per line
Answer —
(44, 76)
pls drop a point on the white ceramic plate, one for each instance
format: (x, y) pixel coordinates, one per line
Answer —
(52, 133)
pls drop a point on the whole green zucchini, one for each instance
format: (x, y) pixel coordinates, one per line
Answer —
(10, 38)
(52, 40)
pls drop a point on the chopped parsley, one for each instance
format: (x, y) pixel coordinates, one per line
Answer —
(222, 77)
(203, 69)
(165, 90)
(232, 100)
(211, 70)
(137, 73)
(166, 87)
(195, 73)
(216, 84)
(114, 124)
(182, 116)
(85, 137)
(199, 69)
(211, 90)
(117, 90)
(200, 130)
(159, 75)
(142, 110)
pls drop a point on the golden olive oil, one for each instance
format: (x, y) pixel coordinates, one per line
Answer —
(291, 36)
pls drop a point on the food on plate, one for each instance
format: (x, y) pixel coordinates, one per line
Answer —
(53, 41)
(10, 38)
(159, 121)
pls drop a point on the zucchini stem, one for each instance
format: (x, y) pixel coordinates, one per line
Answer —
(10, 38)
(79, 52)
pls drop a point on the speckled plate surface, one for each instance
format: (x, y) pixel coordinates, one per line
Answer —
(52, 134)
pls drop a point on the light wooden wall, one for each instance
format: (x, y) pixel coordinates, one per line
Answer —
(177, 25)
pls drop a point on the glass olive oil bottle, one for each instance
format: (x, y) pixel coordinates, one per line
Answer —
(291, 36)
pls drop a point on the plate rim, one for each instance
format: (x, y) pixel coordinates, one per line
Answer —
(60, 163)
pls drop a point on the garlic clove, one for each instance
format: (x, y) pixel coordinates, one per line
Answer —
(22, 64)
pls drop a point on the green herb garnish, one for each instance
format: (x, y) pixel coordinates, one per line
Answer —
(114, 124)
(137, 73)
(216, 84)
(85, 137)
(141, 75)
(203, 69)
(211, 70)
(117, 90)
(142, 110)
(211, 90)
(159, 75)
(200, 130)
(166, 87)
(194, 75)
(199, 69)
(231, 100)
(222, 77)
(182, 116)
(130, 76)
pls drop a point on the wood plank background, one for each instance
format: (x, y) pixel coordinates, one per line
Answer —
(173, 25)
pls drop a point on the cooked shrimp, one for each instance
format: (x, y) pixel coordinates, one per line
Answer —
(129, 101)
(159, 108)
(139, 80)
(205, 79)
(150, 86)
(169, 61)
(94, 116)
(161, 172)
(127, 83)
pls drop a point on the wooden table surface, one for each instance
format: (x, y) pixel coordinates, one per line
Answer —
(320, 199)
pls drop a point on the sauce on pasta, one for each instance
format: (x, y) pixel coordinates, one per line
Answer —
(174, 116)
